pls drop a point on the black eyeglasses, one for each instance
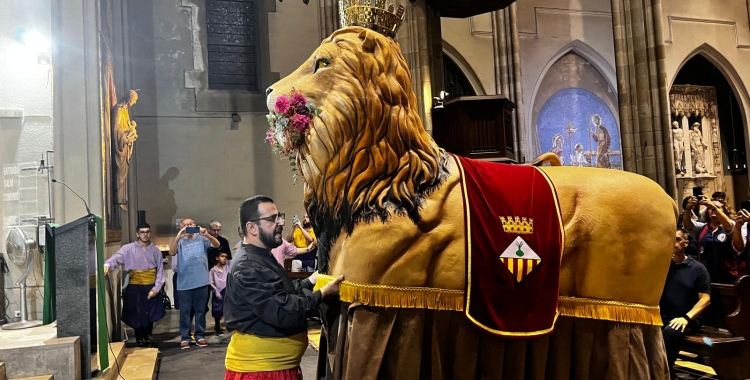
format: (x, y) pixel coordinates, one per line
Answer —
(273, 218)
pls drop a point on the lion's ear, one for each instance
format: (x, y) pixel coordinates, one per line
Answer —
(368, 40)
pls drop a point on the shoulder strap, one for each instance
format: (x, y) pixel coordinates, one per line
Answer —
(703, 233)
(700, 237)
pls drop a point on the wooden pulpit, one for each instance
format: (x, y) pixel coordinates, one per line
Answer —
(478, 127)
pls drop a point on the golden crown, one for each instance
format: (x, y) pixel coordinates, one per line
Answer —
(516, 225)
(371, 14)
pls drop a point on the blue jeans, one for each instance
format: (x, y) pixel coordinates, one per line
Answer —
(195, 299)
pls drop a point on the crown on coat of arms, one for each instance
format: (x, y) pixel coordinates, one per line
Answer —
(371, 14)
(516, 225)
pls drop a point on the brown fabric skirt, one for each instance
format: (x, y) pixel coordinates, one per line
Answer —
(405, 344)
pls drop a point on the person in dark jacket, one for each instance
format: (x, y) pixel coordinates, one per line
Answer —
(264, 308)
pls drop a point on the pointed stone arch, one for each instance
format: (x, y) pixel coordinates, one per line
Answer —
(591, 56)
(465, 67)
(727, 70)
(736, 85)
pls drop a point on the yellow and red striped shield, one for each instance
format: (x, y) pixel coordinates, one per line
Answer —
(520, 259)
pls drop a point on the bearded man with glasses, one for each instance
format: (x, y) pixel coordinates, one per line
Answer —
(142, 299)
(264, 308)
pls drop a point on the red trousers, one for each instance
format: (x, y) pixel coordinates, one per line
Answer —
(287, 374)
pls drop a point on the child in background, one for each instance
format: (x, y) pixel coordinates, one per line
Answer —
(218, 278)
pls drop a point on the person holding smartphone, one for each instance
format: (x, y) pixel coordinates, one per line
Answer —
(714, 236)
(191, 246)
(303, 237)
(740, 240)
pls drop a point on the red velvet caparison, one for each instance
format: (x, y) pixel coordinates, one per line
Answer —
(496, 301)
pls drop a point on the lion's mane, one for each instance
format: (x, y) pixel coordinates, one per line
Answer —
(368, 154)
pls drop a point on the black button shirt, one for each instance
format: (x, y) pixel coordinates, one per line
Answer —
(262, 300)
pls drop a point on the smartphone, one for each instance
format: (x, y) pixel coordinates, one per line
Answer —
(192, 230)
(296, 219)
(745, 205)
(698, 192)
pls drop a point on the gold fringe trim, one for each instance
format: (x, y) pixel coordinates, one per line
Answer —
(403, 297)
(609, 310)
(409, 297)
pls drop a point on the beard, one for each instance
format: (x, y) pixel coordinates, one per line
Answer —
(271, 240)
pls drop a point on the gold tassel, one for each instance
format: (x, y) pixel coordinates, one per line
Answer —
(409, 297)
(404, 297)
(609, 310)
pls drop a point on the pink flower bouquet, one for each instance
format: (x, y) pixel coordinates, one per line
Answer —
(290, 123)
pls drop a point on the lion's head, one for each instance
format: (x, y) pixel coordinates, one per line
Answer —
(367, 154)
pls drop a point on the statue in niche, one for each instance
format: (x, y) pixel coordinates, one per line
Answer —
(557, 147)
(697, 148)
(600, 135)
(678, 139)
(124, 135)
(715, 144)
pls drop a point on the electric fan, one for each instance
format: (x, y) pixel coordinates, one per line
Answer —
(20, 252)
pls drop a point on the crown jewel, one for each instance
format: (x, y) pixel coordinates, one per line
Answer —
(371, 14)
(516, 225)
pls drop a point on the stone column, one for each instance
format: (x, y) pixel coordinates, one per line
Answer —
(328, 17)
(643, 92)
(508, 71)
(421, 44)
(76, 108)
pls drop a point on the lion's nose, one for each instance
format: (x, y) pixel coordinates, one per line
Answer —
(269, 91)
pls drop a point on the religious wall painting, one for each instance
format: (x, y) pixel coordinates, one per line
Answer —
(580, 129)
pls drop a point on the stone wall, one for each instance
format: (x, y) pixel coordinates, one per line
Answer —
(189, 162)
(547, 30)
(471, 38)
(550, 29)
(25, 129)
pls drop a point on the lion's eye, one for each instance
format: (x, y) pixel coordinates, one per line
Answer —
(321, 63)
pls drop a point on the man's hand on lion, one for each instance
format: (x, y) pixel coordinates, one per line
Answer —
(332, 288)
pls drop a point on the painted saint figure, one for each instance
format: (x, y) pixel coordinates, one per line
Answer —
(557, 147)
(124, 134)
(679, 148)
(600, 135)
(579, 159)
(697, 149)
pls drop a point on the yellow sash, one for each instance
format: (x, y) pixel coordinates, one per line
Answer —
(143, 277)
(252, 353)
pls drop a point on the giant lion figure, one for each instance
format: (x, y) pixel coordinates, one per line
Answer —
(386, 204)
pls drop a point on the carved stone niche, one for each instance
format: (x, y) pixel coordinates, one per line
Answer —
(696, 141)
